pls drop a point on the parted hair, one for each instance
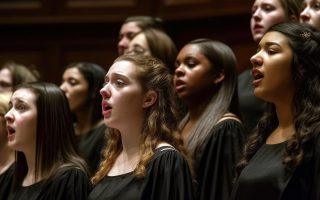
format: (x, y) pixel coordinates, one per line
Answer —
(165, 50)
(305, 44)
(160, 120)
(56, 147)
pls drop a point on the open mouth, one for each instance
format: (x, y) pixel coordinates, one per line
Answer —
(11, 132)
(106, 109)
(256, 74)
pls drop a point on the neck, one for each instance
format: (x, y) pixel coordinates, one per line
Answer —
(285, 113)
(131, 138)
(285, 128)
(31, 161)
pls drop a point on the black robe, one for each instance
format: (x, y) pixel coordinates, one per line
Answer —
(266, 178)
(168, 177)
(91, 145)
(71, 184)
(215, 163)
(5, 182)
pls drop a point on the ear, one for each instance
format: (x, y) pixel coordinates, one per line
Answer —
(219, 77)
(149, 99)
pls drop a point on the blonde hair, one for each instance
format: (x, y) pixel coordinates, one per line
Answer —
(4, 102)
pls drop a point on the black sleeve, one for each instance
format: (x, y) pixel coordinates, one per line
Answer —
(316, 173)
(170, 178)
(216, 168)
(72, 184)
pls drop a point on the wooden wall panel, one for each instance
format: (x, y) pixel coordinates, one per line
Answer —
(53, 33)
(192, 9)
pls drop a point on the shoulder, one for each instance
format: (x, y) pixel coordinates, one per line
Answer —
(69, 183)
(229, 124)
(71, 173)
(167, 155)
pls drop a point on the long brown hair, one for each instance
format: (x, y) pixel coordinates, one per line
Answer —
(56, 146)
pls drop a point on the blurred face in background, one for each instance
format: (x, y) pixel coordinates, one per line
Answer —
(265, 13)
(311, 13)
(5, 80)
(139, 45)
(127, 32)
(75, 87)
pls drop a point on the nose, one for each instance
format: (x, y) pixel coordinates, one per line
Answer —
(256, 15)
(8, 116)
(179, 71)
(305, 15)
(63, 87)
(256, 60)
(123, 44)
(105, 91)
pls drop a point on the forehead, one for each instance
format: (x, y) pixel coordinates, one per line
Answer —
(192, 50)
(275, 37)
(23, 94)
(139, 39)
(124, 68)
(73, 72)
(275, 3)
(130, 27)
(5, 73)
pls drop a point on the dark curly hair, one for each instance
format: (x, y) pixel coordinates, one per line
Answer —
(305, 44)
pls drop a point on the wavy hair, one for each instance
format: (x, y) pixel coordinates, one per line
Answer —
(160, 121)
(305, 44)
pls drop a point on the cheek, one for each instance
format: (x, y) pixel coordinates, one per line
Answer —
(274, 19)
(317, 20)
(78, 97)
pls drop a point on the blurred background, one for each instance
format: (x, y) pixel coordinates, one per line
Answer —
(49, 34)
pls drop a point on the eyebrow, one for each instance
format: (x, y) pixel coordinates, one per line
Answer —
(117, 75)
(269, 44)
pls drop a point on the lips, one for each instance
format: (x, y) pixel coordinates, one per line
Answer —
(106, 109)
(11, 132)
(257, 76)
(257, 28)
(180, 85)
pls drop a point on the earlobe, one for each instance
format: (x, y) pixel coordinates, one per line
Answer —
(149, 99)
